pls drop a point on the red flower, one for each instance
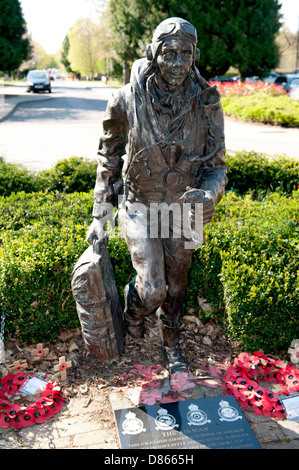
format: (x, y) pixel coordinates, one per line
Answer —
(8, 385)
(4, 420)
(40, 352)
(247, 361)
(12, 411)
(19, 379)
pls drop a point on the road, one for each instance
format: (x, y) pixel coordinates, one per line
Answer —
(38, 134)
(271, 140)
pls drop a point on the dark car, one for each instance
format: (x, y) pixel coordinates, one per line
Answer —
(38, 80)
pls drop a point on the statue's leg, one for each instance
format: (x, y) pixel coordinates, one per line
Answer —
(147, 291)
(177, 262)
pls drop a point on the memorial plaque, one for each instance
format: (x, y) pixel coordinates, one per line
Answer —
(208, 423)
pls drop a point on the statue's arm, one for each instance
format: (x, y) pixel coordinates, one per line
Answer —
(214, 179)
(111, 149)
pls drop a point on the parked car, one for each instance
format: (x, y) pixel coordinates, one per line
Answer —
(294, 93)
(252, 79)
(225, 79)
(38, 80)
(288, 81)
(270, 78)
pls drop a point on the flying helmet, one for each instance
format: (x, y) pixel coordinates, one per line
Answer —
(172, 27)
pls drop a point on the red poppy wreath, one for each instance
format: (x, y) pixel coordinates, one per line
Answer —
(243, 378)
(17, 416)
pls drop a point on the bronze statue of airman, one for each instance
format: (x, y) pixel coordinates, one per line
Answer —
(163, 134)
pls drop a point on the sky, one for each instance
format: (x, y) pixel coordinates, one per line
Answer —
(49, 21)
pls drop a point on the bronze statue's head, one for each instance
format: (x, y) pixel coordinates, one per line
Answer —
(168, 28)
(173, 51)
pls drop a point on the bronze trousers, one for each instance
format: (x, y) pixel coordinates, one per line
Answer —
(161, 261)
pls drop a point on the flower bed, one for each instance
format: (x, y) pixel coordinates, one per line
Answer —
(259, 102)
(239, 88)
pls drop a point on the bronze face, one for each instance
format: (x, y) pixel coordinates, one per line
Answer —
(174, 62)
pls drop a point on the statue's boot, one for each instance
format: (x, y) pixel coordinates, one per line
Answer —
(134, 321)
(171, 352)
(134, 324)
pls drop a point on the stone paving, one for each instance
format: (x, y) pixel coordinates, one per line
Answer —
(78, 426)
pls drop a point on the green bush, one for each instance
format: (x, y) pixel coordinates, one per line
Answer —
(70, 175)
(257, 242)
(37, 254)
(15, 178)
(42, 237)
(260, 107)
(251, 171)
(246, 171)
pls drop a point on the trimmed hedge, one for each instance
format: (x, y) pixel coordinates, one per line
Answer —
(250, 260)
(15, 178)
(246, 171)
(255, 244)
(70, 175)
(251, 171)
(260, 107)
(40, 242)
(75, 174)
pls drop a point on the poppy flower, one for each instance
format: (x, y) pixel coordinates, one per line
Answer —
(250, 388)
(36, 412)
(8, 385)
(3, 403)
(19, 379)
(49, 411)
(20, 367)
(272, 397)
(4, 420)
(62, 366)
(40, 351)
(247, 361)
(12, 409)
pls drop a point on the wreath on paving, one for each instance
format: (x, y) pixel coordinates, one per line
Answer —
(242, 380)
(15, 415)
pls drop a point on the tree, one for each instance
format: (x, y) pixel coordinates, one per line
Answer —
(132, 23)
(288, 47)
(39, 58)
(239, 33)
(14, 41)
(86, 47)
(64, 54)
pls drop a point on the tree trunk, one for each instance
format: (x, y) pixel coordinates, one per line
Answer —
(126, 72)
